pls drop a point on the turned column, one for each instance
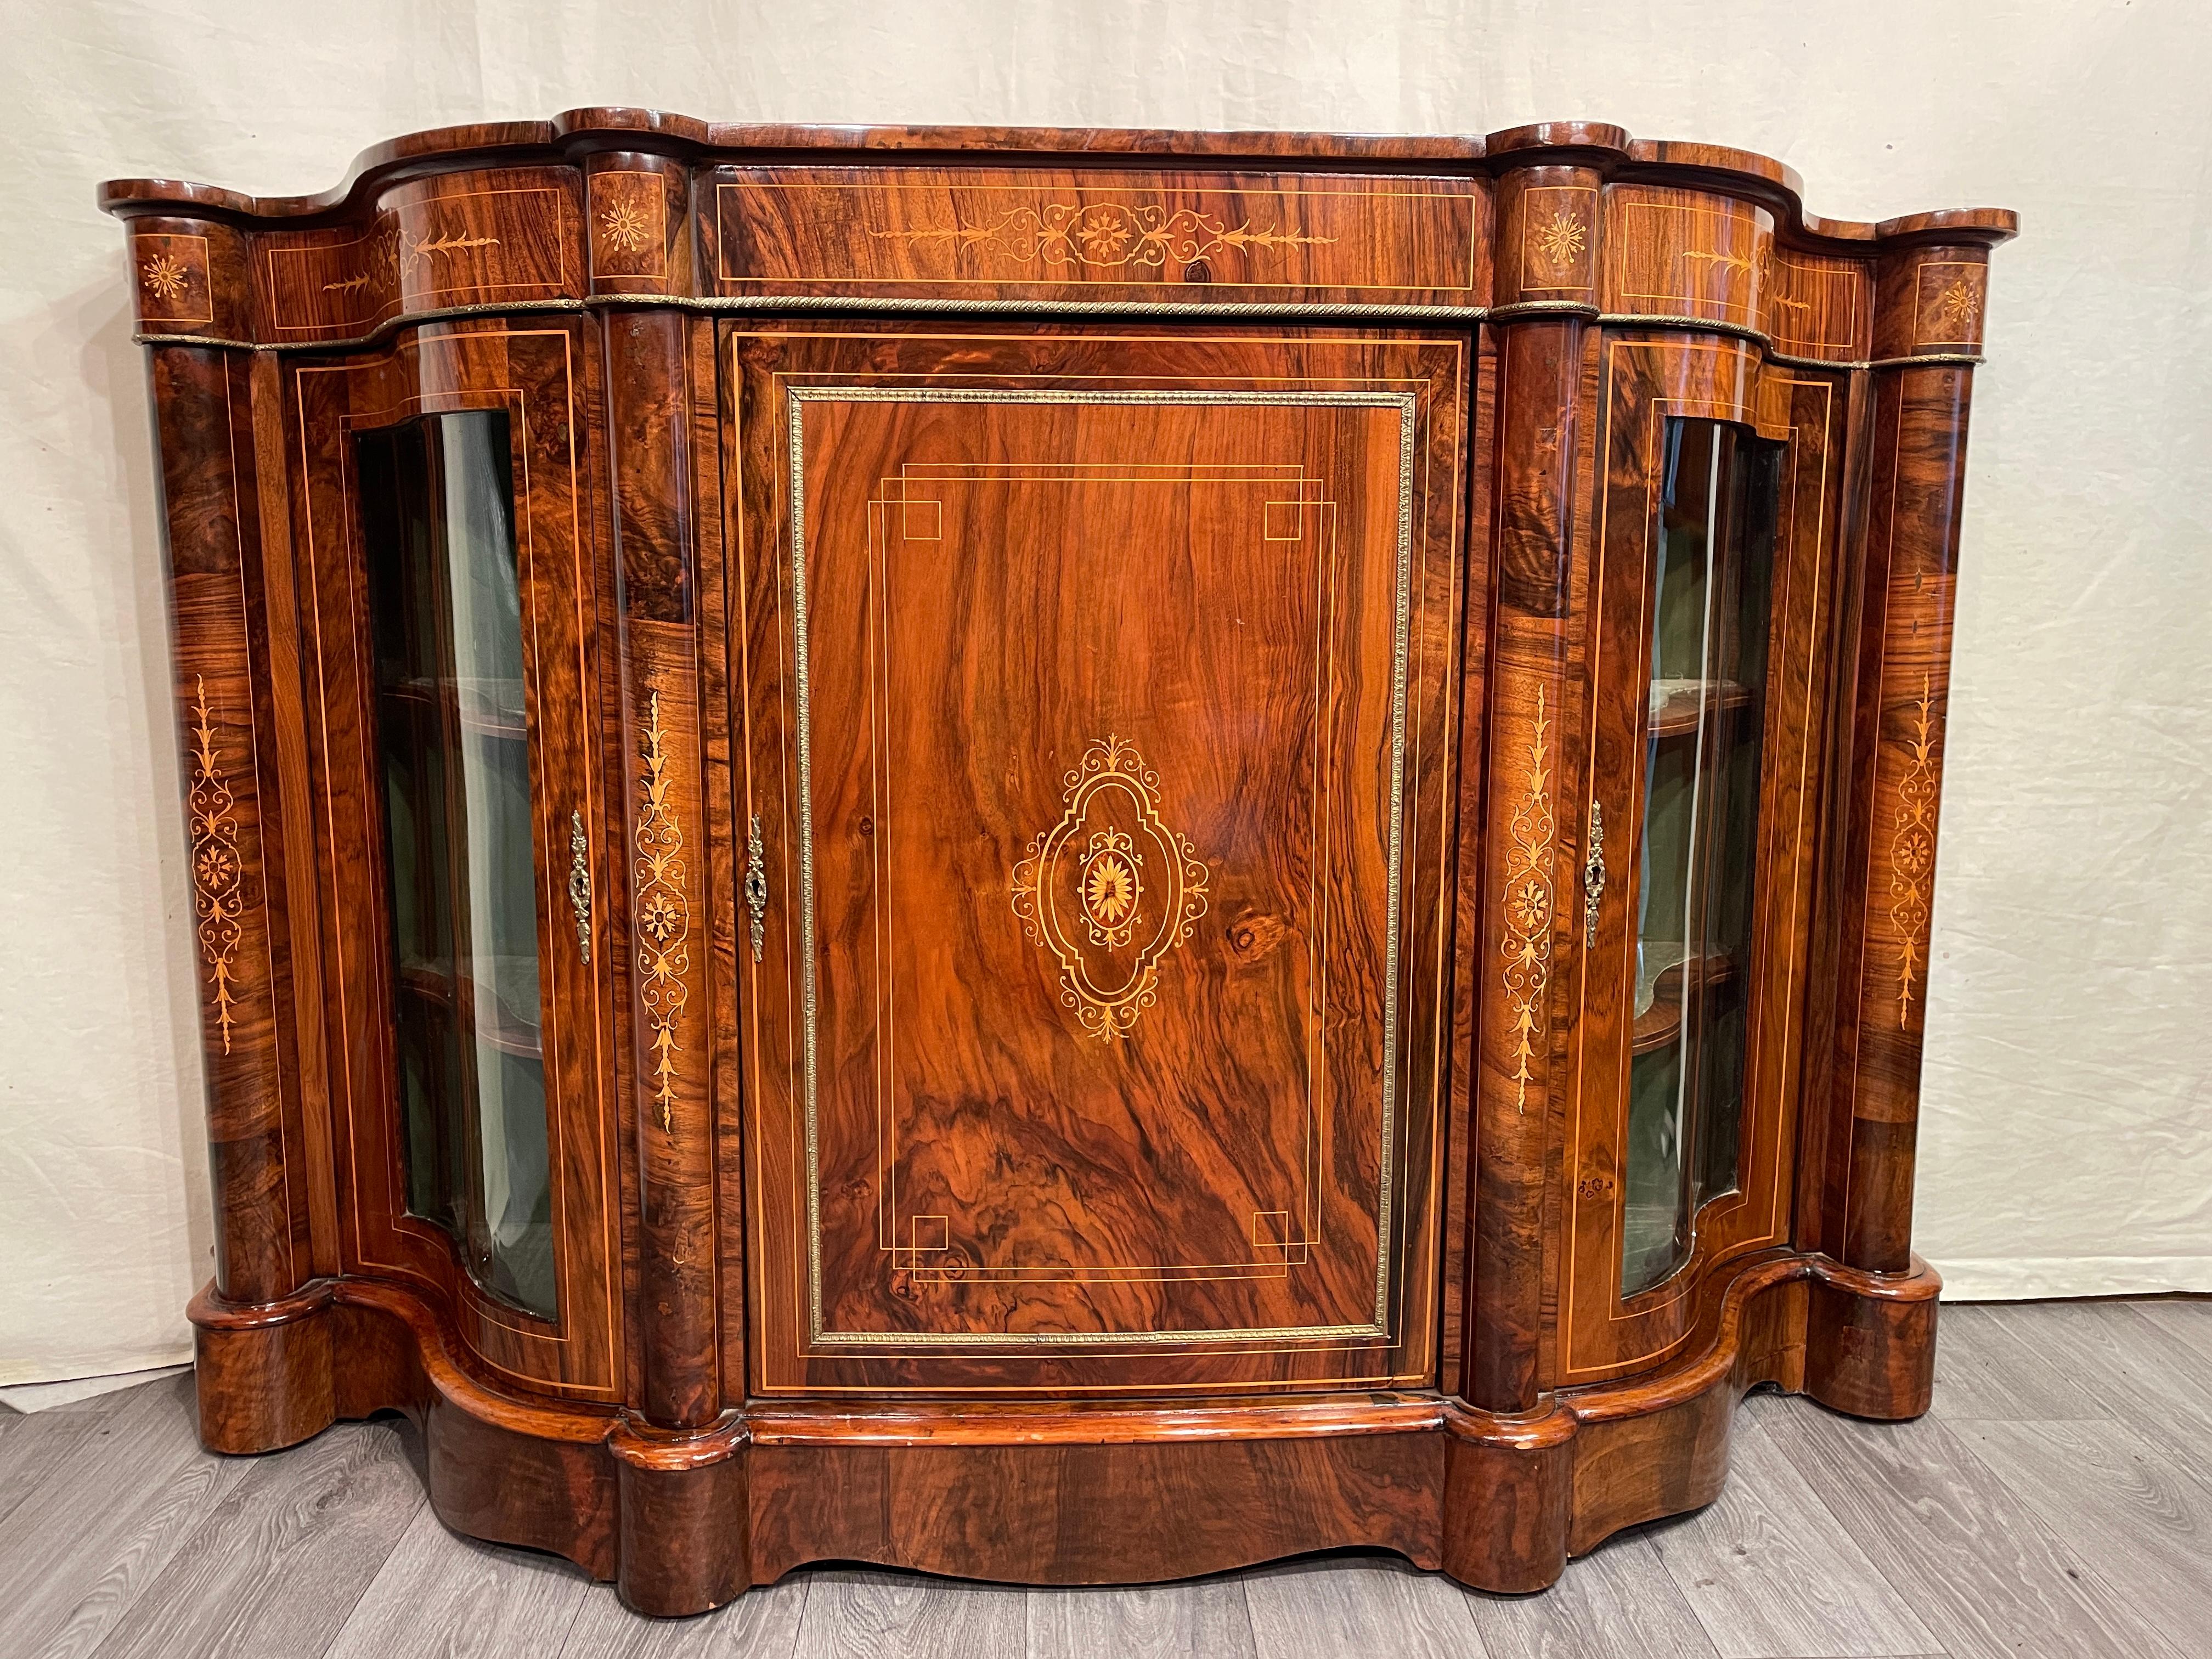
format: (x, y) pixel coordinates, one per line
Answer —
(637, 229)
(1549, 226)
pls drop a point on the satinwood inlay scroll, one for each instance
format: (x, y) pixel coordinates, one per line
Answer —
(663, 915)
(1527, 940)
(1107, 236)
(1913, 853)
(1089, 862)
(218, 874)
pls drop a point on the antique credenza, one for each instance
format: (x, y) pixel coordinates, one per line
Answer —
(1060, 856)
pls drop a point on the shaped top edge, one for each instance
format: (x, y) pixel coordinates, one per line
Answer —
(579, 131)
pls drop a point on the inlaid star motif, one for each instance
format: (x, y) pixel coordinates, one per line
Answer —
(164, 278)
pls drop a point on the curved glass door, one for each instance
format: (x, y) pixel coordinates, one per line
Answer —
(453, 740)
(1708, 604)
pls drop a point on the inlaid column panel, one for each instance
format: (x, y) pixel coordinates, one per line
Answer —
(657, 524)
(1523, 866)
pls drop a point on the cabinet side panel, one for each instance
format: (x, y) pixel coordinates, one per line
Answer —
(1885, 882)
(237, 906)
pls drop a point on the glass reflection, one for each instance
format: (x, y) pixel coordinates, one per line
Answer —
(446, 609)
(1710, 606)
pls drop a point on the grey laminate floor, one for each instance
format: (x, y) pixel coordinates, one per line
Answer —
(2057, 1503)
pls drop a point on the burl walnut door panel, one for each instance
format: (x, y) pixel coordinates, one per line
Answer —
(522, 789)
(1096, 693)
(1712, 599)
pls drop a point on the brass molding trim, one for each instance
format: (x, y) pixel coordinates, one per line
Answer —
(663, 916)
(1702, 324)
(1928, 359)
(909, 306)
(216, 341)
(1525, 311)
(1541, 310)
(404, 319)
(1765, 343)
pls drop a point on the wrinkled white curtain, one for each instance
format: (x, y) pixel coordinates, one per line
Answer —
(2067, 1143)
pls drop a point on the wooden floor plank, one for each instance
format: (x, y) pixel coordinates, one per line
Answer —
(1975, 1562)
(279, 1564)
(134, 1555)
(761, 1624)
(1376, 1606)
(888, 1615)
(2185, 1319)
(1617, 1600)
(484, 1600)
(2113, 1352)
(1986, 1372)
(2118, 1500)
(86, 1515)
(1207, 1616)
(1771, 1574)
(34, 1447)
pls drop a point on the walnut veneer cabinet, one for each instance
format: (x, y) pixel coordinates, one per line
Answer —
(1059, 856)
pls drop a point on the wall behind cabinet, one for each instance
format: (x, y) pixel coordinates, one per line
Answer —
(2067, 1140)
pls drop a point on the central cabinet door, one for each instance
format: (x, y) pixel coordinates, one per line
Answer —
(1096, 698)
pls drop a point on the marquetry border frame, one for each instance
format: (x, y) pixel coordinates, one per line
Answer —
(795, 399)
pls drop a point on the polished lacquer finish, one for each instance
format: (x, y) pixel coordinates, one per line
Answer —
(1059, 856)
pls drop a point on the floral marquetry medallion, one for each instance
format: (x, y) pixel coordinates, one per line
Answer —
(1110, 889)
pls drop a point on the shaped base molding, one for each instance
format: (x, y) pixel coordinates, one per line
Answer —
(1063, 1494)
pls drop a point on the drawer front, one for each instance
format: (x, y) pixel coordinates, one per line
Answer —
(1096, 703)
(1096, 235)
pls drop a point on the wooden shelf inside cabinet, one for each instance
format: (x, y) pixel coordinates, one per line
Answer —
(484, 708)
(489, 1017)
(1678, 706)
(1663, 990)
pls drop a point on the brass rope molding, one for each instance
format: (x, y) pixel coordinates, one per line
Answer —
(1105, 310)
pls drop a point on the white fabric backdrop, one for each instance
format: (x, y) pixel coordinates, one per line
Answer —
(2066, 1146)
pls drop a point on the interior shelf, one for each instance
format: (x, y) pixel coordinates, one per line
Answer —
(1677, 705)
(492, 1019)
(487, 708)
(1670, 974)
